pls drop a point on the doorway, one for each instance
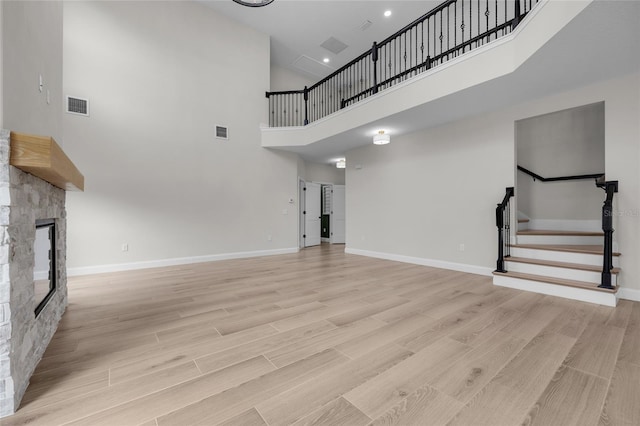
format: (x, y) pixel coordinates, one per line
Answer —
(322, 213)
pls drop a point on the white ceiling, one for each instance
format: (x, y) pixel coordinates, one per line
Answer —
(299, 27)
(601, 43)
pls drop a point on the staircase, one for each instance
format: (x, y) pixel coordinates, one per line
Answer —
(559, 263)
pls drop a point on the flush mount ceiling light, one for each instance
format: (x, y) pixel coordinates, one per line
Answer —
(341, 164)
(381, 138)
(326, 60)
(387, 13)
(253, 3)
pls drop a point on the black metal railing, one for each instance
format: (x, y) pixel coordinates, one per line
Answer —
(610, 188)
(503, 222)
(446, 32)
(536, 176)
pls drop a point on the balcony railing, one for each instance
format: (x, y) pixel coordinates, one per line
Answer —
(446, 32)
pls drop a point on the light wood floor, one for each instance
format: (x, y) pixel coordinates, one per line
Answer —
(321, 337)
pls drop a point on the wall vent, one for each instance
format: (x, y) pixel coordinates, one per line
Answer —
(222, 132)
(334, 45)
(77, 106)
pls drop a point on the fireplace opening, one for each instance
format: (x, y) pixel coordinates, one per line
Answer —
(44, 272)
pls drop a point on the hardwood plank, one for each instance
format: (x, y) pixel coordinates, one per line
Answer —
(382, 392)
(520, 383)
(630, 349)
(596, 350)
(571, 398)
(476, 368)
(224, 405)
(426, 406)
(621, 406)
(250, 417)
(143, 363)
(487, 325)
(233, 355)
(324, 313)
(303, 348)
(154, 405)
(337, 412)
(88, 404)
(296, 403)
(243, 321)
(367, 310)
(368, 342)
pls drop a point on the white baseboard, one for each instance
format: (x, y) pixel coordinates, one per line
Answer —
(629, 294)
(461, 267)
(99, 269)
(566, 225)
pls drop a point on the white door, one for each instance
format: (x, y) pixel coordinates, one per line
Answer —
(312, 215)
(338, 215)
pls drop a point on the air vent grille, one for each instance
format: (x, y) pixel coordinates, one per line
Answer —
(77, 105)
(222, 132)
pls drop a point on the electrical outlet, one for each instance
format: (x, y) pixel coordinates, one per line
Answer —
(269, 238)
(461, 247)
(125, 247)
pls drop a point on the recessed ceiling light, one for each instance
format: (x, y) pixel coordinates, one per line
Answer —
(387, 13)
(326, 60)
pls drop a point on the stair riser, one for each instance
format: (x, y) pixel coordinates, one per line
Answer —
(561, 256)
(560, 239)
(564, 273)
(523, 226)
(584, 295)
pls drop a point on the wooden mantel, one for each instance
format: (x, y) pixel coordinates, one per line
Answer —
(42, 157)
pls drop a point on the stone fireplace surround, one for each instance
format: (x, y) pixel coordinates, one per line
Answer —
(24, 337)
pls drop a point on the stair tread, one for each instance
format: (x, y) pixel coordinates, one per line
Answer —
(567, 265)
(523, 220)
(563, 233)
(557, 281)
(572, 248)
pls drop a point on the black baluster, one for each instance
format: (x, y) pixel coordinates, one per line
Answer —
(516, 18)
(306, 105)
(374, 58)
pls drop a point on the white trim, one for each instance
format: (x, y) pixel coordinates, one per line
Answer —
(629, 294)
(574, 293)
(435, 263)
(99, 269)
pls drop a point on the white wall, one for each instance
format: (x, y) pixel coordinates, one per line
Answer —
(562, 143)
(32, 46)
(159, 76)
(283, 79)
(426, 193)
(324, 173)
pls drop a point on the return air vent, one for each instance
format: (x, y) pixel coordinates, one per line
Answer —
(77, 106)
(365, 25)
(222, 132)
(334, 45)
(311, 66)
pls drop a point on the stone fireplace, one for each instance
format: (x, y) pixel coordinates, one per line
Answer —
(28, 203)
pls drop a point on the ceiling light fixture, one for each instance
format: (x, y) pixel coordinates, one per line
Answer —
(381, 138)
(326, 60)
(387, 13)
(342, 163)
(254, 3)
